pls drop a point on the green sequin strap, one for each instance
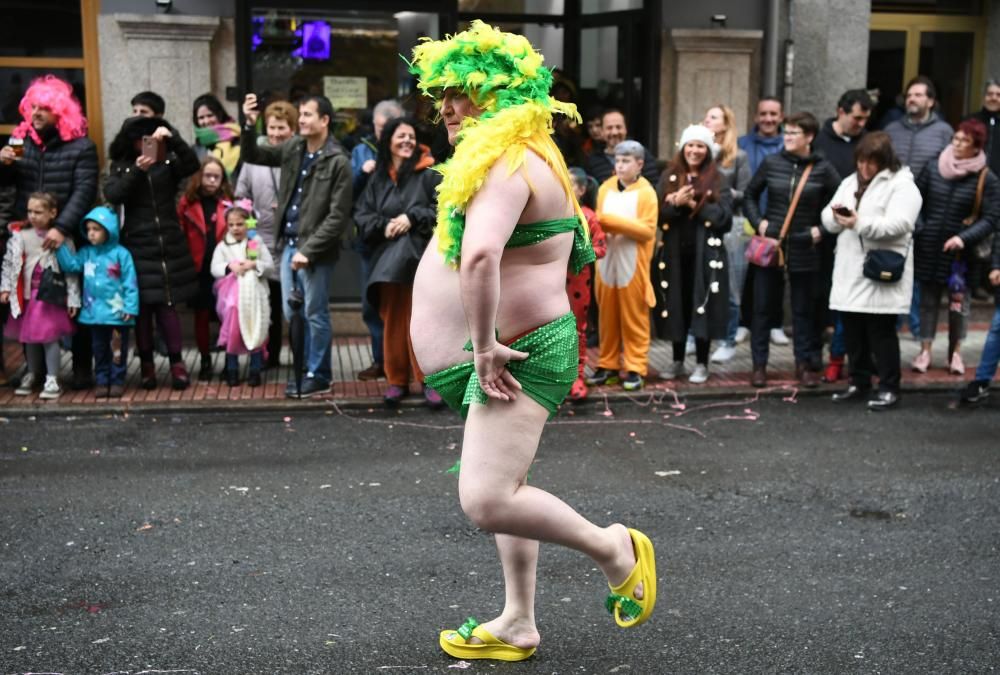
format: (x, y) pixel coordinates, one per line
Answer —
(465, 630)
(527, 234)
(629, 608)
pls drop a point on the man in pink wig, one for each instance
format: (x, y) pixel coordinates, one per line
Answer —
(58, 158)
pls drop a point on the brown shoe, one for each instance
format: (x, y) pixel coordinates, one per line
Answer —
(807, 377)
(372, 372)
(759, 377)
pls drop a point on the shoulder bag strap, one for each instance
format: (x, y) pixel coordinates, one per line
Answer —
(977, 206)
(795, 202)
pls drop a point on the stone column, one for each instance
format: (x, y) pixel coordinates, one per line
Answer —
(831, 52)
(992, 62)
(169, 54)
(702, 67)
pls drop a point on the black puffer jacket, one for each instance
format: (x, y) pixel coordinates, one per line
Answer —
(946, 204)
(779, 174)
(151, 232)
(396, 260)
(67, 169)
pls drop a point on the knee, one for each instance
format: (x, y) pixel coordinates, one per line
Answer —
(484, 509)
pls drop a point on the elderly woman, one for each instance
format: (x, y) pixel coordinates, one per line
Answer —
(493, 327)
(734, 175)
(949, 187)
(259, 184)
(874, 209)
(695, 213)
(395, 215)
(781, 175)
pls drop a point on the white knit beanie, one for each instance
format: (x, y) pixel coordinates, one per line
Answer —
(702, 134)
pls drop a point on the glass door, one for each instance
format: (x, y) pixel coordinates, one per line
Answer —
(948, 49)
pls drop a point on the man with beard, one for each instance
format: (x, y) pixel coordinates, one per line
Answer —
(58, 158)
(601, 162)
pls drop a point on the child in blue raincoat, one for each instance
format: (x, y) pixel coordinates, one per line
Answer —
(110, 295)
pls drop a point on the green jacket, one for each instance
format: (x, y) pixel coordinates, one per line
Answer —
(325, 214)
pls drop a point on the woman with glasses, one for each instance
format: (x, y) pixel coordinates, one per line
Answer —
(780, 175)
(950, 223)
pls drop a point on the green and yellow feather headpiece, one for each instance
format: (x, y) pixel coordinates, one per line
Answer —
(504, 76)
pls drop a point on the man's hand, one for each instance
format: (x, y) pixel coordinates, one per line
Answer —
(73, 311)
(762, 228)
(817, 234)
(53, 239)
(162, 133)
(368, 166)
(5, 297)
(7, 155)
(491, 368)
(299, 261)
(250, 108)
(994, 279)
(954, 244)
(144, 163)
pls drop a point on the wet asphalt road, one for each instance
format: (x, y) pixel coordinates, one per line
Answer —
(802, 537)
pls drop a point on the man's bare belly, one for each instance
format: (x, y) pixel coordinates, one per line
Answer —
(532, 293)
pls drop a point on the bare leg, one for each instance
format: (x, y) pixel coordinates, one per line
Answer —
(499, 446)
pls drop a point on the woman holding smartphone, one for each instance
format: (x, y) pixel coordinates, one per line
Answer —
(874, 209)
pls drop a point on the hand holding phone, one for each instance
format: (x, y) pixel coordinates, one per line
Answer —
(842, 210)
(154, 149)
(250, 110)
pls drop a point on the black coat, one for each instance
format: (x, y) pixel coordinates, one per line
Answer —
(396, 260)
(67, 169)
(836, 150)
(946, 204)
(992, 147)
(779, 175)
(709, 224)
(151, 231)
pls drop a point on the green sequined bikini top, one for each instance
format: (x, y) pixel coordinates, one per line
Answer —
(527, 234)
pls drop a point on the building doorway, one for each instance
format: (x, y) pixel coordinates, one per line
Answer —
(948, 49)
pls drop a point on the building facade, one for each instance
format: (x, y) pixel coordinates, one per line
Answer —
(663, 62)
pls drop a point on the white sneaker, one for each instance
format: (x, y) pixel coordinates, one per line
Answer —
(700, 375)
(673, 370)
(51, 389)
(723, 354)
(26, 386)
(742, 335)
(690, 348)
(778, 337)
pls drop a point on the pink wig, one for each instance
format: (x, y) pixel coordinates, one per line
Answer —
(56, 95)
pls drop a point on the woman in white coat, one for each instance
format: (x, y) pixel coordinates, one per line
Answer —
(874, 208)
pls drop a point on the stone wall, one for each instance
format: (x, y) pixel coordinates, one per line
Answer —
(992, 61)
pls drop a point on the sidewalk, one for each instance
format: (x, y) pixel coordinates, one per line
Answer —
(352, 354)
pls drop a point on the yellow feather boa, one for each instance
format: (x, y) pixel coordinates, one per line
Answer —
(508, 133)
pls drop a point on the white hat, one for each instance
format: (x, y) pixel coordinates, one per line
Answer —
(702, 134)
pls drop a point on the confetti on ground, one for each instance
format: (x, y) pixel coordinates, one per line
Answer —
(455, 467)
(145, 527)
(101, 641)
(668, 473)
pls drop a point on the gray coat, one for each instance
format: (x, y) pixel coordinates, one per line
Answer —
(917, 144)
(260, 184)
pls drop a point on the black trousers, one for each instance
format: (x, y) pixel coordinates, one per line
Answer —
(805, 290)
(83, 353)
(872, 347)
(687, 263)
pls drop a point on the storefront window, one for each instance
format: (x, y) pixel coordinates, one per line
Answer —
(511, 6)
(967, 7)
(62, 37)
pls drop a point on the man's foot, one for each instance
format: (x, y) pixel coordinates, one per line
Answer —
(372, 372)
(633, 599)
(633, 381)
(311, 386)
(758, 378)
(500, 640)
(618, 570)
(975, 391)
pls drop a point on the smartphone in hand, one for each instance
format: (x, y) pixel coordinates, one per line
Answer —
(843, 211)
(154, 148)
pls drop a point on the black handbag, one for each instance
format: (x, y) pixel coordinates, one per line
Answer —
(52, 287)
(883, 265)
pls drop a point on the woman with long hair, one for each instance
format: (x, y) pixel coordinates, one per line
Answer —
(215, 132)
(693, 285)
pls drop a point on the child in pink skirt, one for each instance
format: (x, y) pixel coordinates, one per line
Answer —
(38, 324)
(240, 264)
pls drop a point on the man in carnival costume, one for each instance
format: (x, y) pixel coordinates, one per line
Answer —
(493, 279)
(58, 158)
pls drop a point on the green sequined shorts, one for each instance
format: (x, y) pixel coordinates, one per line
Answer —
(546, 375)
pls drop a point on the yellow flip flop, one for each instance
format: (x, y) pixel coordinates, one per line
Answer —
(456, 643)
(628, 610)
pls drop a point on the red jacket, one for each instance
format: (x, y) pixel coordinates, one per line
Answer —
(192, 221)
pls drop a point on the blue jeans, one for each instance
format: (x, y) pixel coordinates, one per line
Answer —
(256, 361)
(991, 351)
(368, 313)
(106, 371)
(314, 283)
(838, 344)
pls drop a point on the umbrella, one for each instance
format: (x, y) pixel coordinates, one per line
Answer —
(297, 337)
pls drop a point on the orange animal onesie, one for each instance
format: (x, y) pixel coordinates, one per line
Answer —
(622, 286)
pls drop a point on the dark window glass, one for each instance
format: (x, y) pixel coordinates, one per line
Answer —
(967, 7)
(511, 6)
(14, 82)
(42, 28)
